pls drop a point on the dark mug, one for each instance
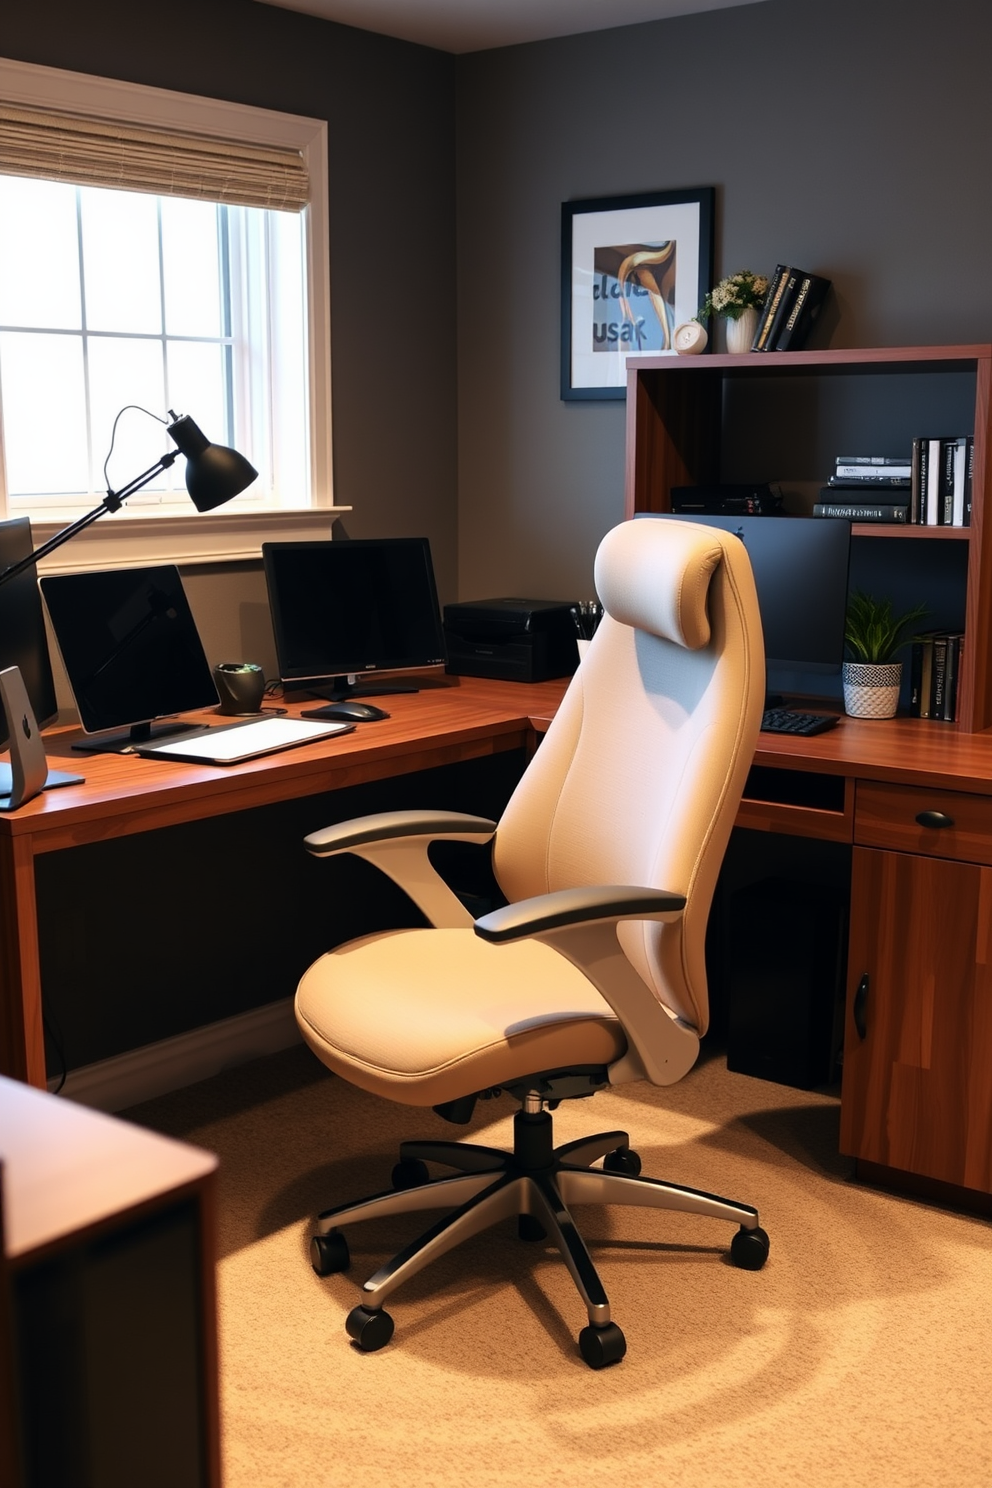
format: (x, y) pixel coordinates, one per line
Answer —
(240, 686)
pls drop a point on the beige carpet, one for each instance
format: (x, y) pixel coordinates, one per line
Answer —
(860, 1355)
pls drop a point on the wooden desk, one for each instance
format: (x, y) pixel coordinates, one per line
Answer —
(917, 1094)
(463, 719)
(109, 1253)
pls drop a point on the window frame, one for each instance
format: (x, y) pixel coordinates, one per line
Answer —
(132, 537)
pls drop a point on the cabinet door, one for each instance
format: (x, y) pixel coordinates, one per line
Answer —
(917, 1088)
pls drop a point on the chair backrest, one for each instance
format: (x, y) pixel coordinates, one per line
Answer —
(640, 775)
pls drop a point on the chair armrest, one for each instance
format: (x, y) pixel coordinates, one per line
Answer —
(581, 924)
(397, 843)
(531, 917)
(346, 836)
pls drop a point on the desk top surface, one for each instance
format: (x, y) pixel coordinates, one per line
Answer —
(460, 718)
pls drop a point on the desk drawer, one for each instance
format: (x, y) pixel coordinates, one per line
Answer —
(954, 824)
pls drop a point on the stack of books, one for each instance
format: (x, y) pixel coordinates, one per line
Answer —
(867, 488)
(940, 488)
(933, 677)
(793, 302)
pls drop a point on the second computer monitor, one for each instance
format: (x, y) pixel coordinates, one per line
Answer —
(352, 607)
(800, 567)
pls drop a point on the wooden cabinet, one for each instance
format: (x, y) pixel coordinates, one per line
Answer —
(785, 415)
(108, 1356)
(917, 1090)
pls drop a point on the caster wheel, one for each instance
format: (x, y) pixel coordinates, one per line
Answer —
(371, 1328)
(749, 1249)
(410, 1172)
(602, 1346)
(329, 1253)
(622, 1160)
(529, 1228)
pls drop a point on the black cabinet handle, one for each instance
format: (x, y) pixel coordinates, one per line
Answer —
(935, 819)
(859, 1007)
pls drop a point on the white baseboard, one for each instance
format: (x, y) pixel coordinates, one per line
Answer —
(142, 1074)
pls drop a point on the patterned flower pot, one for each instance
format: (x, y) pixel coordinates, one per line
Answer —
(871, 691)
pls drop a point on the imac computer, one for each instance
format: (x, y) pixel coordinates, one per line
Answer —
(23, 642)
(131, 652)
(800, 567)
(346, 608)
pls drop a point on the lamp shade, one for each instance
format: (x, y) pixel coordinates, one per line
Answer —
(214, 473)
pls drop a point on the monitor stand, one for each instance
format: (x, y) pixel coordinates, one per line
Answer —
(126, 739)
(340, 688)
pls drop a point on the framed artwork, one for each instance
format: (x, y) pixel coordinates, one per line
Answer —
(632, 269)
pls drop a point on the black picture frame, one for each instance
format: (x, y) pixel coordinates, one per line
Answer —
(624, 248)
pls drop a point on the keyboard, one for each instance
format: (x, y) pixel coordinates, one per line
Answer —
(788, 721)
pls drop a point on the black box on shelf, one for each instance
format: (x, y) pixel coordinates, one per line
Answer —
(514, 640)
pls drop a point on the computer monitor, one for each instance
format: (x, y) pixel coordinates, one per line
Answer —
(800, 567)
(23, 642)
(131, 652)
(350, 607)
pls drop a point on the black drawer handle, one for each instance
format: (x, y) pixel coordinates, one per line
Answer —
(935, 819)
(859, 1007)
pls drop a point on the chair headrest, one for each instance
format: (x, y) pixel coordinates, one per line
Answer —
(655, 576)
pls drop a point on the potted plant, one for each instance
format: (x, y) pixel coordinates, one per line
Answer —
(737, 299)
(873, 635)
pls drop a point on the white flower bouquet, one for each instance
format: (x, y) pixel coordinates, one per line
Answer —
(735, 294)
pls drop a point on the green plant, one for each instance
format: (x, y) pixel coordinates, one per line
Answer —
(871, 631)
(733, 295)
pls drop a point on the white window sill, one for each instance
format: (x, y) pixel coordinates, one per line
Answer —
(126, 539)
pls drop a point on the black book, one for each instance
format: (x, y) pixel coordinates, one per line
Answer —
(880, 490)
(938, 676)
(953, 668)
(806, 306)
(858, 511)
(776, 284)
(786, 298)
(969, 475)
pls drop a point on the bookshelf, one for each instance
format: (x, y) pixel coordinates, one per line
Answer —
(784, 415)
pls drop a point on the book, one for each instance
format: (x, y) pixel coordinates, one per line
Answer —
(953, 666)
(917, 480)
(776, 285)
(885, 461)
(863, 512)
(890, 471)
(777, 320)
(969, 474)
(920, 669)
(959, 459)
(803, 311)
(932, 494)
(938, 676)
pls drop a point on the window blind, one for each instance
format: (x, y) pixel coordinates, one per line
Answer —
(93, 152)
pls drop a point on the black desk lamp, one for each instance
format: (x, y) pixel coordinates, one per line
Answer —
(214, 474)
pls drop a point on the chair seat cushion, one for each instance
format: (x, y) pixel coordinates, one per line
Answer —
(426, 1016)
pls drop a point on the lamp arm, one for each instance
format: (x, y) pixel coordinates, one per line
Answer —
(110, 503)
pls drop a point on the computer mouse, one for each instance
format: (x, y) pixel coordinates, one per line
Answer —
(348, 710)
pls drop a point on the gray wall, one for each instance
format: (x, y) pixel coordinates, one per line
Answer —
(849, 136)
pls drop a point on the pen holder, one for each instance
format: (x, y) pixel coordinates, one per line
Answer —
(240, 686)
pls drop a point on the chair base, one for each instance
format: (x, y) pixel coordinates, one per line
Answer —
(536, 1182)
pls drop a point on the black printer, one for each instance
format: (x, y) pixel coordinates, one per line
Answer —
(516, 640)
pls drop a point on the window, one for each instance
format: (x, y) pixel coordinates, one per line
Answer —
(192, 302)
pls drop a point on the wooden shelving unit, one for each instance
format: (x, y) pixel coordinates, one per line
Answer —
(677, 434)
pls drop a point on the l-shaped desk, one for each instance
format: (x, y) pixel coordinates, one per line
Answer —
(912, 799)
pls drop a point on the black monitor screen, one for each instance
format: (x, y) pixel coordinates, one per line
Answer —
(130, 646)
(23, 642)
(351, 606)
(800, 567)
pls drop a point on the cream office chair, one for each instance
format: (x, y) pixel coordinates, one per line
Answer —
(593, 974)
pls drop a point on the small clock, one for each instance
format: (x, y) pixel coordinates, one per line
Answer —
(690, 338)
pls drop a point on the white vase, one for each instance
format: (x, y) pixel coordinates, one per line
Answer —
(871, 691)
(740, 332)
